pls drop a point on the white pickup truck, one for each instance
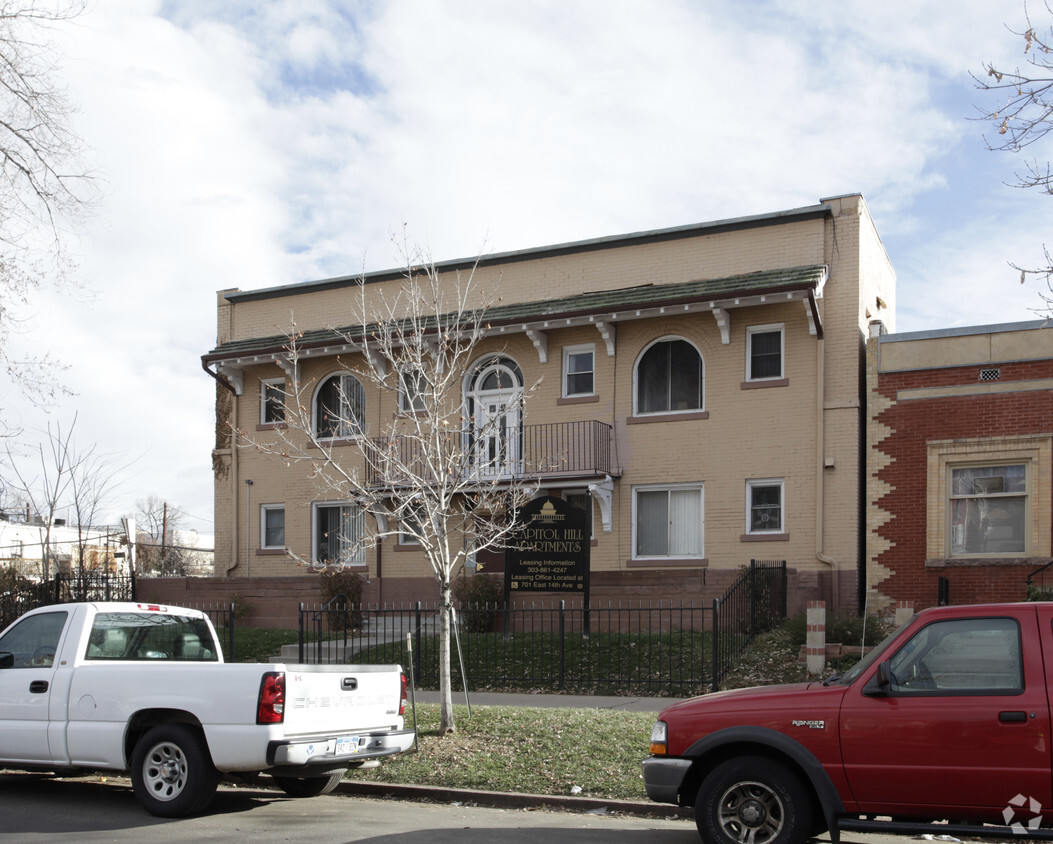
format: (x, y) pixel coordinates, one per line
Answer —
(143, 688)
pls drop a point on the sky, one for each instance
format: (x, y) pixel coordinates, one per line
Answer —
(248, 144)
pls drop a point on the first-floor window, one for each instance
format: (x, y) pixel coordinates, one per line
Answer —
(272, 524)
(668, 521)
(988, 507)
(339, 534)
(764, 506)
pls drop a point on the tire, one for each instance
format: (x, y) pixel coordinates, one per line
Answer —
(753, 800)
(172, 771)
(309, 786)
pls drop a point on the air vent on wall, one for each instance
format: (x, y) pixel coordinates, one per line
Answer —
(990, 374)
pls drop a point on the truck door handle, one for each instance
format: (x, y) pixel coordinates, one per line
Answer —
(38, 687)
(1012, 717)
(348, 684)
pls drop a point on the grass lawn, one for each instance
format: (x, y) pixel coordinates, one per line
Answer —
(527, 750)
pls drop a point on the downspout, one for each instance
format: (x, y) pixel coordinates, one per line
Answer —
(820, 469)
(235, 509)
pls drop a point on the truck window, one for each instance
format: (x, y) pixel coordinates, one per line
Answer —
(149, 636)
(33, 641)
(960, 656)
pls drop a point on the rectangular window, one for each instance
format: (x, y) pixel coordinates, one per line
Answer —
(764, 506)
(339, 534)
(764, 352)
(410, 521)
(579, 370)
(668, 521)
(272, 526)
(412, 386)
(988, 507)
(272, 401)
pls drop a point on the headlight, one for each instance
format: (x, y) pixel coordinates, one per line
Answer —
(659, 739)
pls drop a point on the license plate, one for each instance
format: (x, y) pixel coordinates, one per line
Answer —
(346, 745)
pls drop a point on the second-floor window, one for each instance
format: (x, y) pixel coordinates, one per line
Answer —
(339, 407)
(764, 352)
(272, 401)
(669, 378)
(579, 371)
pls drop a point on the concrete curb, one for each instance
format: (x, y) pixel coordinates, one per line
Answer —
(511, 800)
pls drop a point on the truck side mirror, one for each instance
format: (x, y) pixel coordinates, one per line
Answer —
(7, 660)
(881, 683)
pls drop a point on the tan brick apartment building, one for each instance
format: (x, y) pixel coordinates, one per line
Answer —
(960, 443)
(718, 369)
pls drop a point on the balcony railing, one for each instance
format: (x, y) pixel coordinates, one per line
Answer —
(555, 449)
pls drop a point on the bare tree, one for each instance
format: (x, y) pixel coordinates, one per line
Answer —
(43, 183)
(1024, 117)
(440, 472)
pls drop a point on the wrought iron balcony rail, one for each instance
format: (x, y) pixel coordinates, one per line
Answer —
(555, 449)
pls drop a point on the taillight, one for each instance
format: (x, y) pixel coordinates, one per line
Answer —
(659, 739)
(405, 696)
(270, 708)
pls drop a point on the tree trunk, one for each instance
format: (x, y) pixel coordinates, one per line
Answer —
(446, 723)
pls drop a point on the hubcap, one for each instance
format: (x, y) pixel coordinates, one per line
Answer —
(751, 813)
(165, 771)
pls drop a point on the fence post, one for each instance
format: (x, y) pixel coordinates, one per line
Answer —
(562, 644)
(753, 597)
(716, 657)
(416, 629)
(815, 638)
(230, 629)
(299, 657)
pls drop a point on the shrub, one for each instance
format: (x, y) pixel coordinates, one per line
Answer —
(11, 580)
(844, 628)
(345, 584)
(1039, 593)
(479, 596)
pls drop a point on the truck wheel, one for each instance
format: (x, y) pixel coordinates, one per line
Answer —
(753, 800)
(309, 786)
(172, 771)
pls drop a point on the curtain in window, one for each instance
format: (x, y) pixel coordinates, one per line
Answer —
(652, 520)
(274, 527)
(685, 523)
(669, 523)
(340, 531)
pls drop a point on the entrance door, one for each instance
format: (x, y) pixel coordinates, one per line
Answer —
(495, 398)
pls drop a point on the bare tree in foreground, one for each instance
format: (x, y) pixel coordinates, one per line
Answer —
(439, 471)
(43, 183)
(1024, 118)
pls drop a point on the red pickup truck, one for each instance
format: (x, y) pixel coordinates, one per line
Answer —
(947, 720)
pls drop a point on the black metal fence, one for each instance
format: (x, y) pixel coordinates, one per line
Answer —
(754, 604)
(656, 649)
(65, 589)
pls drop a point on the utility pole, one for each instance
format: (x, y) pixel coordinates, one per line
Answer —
(164, 534)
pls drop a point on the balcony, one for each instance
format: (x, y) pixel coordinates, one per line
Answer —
(557, 450)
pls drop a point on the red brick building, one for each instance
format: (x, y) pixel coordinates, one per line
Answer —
(959, 434)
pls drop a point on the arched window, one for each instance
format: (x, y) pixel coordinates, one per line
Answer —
(669, 378)
(339, 407)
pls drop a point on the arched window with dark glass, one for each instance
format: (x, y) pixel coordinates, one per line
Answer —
(669, 378)
(339, 407)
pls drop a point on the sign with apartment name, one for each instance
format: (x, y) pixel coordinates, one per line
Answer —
(551, 551)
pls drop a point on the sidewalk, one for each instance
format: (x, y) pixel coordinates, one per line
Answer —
(624, 704)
